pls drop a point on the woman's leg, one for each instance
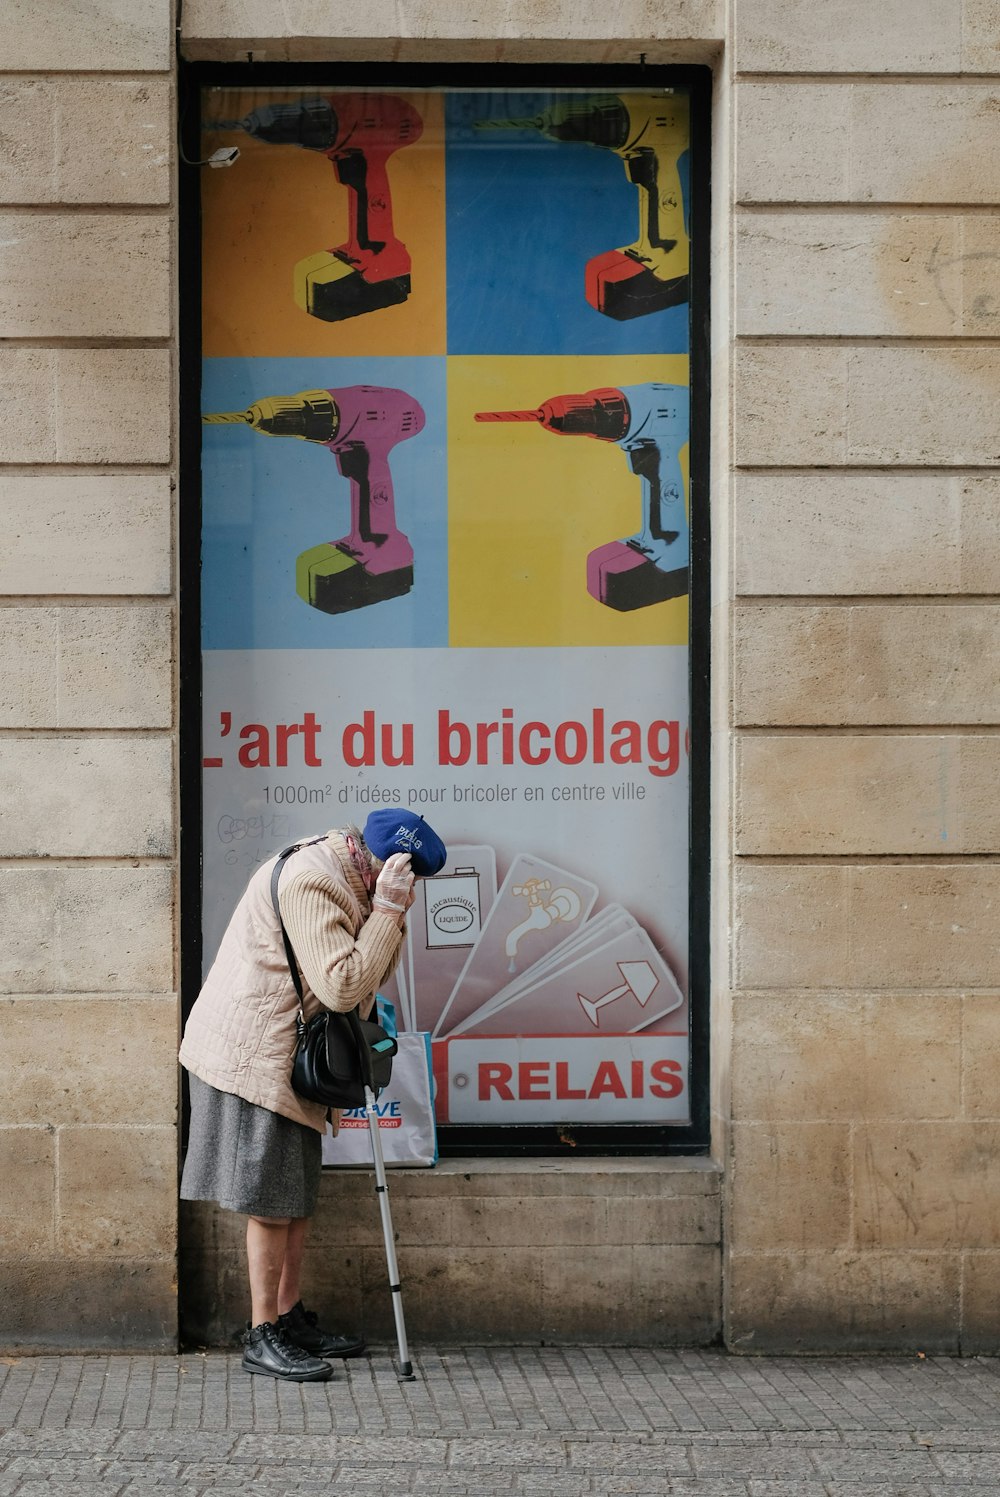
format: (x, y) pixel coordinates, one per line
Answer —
(290, 1284)
(267, 1245)
(266, 1347)
(300, 1325)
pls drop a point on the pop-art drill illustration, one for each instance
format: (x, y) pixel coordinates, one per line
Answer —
(650, 134)
(650, 424)
(358, 133)
(359, 425)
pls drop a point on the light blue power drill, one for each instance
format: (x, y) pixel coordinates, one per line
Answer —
(650, 423)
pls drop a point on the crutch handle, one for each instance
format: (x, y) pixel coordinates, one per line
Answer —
(364, 1052)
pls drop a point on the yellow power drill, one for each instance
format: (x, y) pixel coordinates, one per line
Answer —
(650, 132)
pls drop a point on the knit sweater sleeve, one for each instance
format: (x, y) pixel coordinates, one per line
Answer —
(319, 916)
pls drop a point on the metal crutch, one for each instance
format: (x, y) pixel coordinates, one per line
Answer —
(403, 1365)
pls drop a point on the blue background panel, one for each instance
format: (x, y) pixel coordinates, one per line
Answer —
(524, 215)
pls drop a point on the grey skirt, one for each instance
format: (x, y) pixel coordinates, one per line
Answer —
(247, 1158)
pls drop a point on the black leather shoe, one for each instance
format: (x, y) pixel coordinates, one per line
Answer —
(267, 1349)
(301, 1327)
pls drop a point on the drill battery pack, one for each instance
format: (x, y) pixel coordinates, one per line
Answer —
(329, 287)
(328, 579)
(620, 286)
(620, 577)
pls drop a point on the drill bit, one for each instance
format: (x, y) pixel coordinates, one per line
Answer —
(509, 416)
(525, 123)
(222, 124)
(598, 413)
(311, 415)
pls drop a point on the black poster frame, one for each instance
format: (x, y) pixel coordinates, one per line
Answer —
(542, 1140)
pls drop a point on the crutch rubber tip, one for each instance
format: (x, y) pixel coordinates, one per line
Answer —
(404, 1371)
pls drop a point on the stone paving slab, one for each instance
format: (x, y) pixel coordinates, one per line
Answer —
(525, 1421)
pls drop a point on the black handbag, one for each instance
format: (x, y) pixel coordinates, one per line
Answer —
(336, 1055)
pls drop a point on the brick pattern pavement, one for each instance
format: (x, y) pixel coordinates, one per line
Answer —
(530, 1421)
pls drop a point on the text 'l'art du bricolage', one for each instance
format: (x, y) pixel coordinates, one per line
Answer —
(595, 738)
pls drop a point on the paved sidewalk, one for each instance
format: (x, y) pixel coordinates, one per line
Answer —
(528, 1420)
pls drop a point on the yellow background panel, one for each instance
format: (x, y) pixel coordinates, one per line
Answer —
(280, 204)
(526, 506)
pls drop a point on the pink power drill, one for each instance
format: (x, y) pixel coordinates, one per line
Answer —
(360, 425)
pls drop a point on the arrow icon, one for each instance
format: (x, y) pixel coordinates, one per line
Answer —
(640, 980)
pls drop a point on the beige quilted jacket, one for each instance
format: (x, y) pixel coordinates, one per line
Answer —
(240, 1035)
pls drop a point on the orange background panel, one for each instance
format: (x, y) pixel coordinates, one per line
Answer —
(279, 204)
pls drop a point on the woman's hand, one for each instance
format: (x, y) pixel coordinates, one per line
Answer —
(394, 891)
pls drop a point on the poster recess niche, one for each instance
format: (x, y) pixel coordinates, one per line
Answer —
(446, 563)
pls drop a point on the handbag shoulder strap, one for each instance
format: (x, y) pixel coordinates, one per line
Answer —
(364, 1049)
(293, 964)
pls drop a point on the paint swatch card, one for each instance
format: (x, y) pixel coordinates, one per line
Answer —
(443, 924)
(538, 907)
(605, 926)
(620, 988)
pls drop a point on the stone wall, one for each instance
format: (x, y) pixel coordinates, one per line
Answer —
(856, 1000)
(866, 562)
(496, 1250)
(88, 1100)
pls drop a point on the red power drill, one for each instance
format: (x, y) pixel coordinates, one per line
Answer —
(358, 133)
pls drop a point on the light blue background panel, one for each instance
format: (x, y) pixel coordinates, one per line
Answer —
(266, 499)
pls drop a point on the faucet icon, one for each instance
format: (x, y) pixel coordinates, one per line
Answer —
(545, 906)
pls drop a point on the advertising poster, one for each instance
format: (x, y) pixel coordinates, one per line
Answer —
(445, 560)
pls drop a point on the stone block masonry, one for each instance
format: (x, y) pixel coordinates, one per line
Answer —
(856, 989)
(88, 809)
(864, 977)
(513, 1250)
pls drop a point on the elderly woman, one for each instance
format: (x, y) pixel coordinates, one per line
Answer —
(254, 1144)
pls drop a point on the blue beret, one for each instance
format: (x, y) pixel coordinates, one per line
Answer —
(391, 831)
